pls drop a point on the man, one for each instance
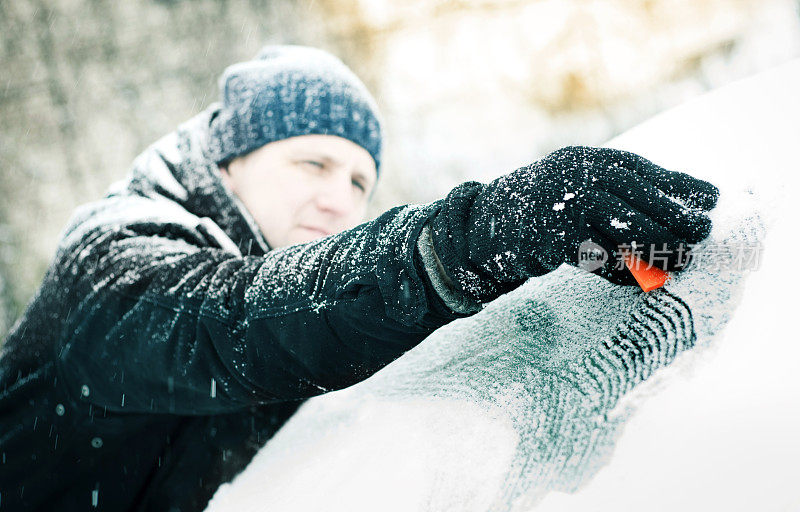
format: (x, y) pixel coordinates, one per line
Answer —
(188, 313)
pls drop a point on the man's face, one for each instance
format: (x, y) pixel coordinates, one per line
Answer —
(302, 188)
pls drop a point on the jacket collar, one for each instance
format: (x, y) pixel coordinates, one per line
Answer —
(179, 168)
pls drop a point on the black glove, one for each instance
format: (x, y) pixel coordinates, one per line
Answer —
(528, 222)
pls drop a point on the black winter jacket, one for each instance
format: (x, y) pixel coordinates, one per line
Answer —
(167, 343)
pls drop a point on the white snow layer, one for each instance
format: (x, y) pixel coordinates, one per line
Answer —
(522, 406)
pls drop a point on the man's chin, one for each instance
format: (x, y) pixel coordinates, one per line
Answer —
(304, 235)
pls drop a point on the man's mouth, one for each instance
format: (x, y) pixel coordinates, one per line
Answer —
(318, 231)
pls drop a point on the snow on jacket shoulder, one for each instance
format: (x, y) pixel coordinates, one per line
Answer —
(167, 342)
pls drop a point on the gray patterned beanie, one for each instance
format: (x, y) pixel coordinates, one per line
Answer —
(288, 91)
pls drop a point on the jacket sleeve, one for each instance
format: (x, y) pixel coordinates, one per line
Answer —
(160, 323)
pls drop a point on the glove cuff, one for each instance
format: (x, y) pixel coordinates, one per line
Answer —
(439, 280)
(451, 230)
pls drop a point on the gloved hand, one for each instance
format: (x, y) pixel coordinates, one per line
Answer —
(530, 221)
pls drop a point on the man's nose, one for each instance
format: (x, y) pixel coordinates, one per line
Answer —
(335, 196)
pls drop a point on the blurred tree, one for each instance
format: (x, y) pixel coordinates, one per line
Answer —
(87, 85)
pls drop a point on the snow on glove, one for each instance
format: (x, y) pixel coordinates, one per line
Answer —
(526, 223)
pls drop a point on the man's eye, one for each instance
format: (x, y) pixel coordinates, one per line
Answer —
(313, 163)
(360, 185)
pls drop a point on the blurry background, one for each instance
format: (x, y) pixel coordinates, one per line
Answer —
(468, 89)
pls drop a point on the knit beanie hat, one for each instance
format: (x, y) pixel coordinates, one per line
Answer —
(288, 91)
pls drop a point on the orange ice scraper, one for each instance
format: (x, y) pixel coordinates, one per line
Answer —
(649, 278)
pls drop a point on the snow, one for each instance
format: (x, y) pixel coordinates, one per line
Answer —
(722, 435)
(545, 398)
(619, 224)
